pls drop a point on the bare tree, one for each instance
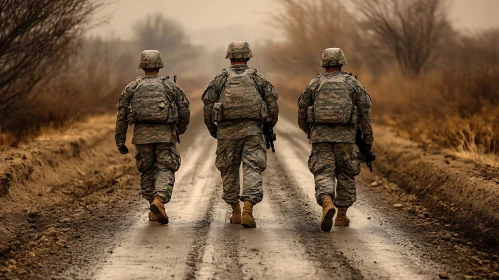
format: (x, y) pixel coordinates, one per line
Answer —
(36, 39)
(410, 29)
(306, 29)
(167, 36)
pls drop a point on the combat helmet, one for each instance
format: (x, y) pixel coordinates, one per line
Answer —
(239, 50)
(151, 59)
(333, 57)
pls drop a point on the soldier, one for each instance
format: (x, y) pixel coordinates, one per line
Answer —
(236, 104)
(159, 110)
(331, 108)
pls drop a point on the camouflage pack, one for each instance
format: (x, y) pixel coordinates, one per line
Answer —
(152, 102)
(333, 103)
(240, 98)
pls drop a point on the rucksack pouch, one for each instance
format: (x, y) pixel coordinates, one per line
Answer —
(240, 98)
(152, 112)
(311, 117)
(333, 103)
(219, 113)
(150, 104)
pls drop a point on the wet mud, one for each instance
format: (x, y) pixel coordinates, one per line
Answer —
(97, 228)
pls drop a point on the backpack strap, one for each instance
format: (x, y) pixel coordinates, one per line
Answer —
(261, 91)
(227, 74)
(167, 89)
(354, 95)
(319, 76)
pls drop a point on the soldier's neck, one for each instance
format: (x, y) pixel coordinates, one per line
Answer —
(155, 73)
(333, 69)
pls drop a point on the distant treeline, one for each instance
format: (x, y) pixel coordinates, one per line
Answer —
(427, 78)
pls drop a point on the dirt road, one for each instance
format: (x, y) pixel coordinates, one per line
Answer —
(287, 243)
(381, 243)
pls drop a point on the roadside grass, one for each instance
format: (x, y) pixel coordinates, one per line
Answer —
(460, 120)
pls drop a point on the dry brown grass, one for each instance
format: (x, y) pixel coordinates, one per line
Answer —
(452, 103)
(420, 110)
(90, 81)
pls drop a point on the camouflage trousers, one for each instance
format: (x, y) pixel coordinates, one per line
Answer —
(157, 164)
(253, 155)
(330, 161)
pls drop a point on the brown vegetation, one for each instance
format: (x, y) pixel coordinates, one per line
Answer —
(410, 30)
(52, 75)
(37, 38)
(430, 81)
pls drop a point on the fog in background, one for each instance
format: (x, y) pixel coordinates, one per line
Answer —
(211, 25)
(429, 65)
(215, 23)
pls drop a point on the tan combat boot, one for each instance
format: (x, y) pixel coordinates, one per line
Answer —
(236, 213)
(247, 220)
(152, 217)
(158, 208)
(341, 219)
(328, 211)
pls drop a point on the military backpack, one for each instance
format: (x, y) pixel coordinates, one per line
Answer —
(152, 102)
(333, 102)
(240, 98)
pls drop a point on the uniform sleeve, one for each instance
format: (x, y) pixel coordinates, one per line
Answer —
(304, 101)
(270, 95)
(183, 110)
(210, 96)
(364, 104)
(121, 116)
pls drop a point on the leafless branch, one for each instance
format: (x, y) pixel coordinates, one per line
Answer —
(36, 39)
(410, 29)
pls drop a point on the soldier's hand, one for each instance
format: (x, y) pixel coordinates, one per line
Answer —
(123, 149)
(214, 134)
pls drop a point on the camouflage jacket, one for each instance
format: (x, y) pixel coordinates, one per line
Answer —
(344, 133)
(236, 129)
(148, 133)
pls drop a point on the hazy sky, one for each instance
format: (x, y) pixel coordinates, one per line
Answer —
(249, 18)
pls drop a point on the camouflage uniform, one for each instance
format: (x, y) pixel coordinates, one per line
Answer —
(240, 140)
(333, 152)
(156, 155)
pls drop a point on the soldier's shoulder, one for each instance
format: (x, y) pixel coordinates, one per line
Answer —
(257, 74)
(133, 84)
(314, 81)
(221, 77)
(223, 73)
(167, 80)
(351, 78)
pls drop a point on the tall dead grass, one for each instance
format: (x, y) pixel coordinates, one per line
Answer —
(91, 80)
(453, 103)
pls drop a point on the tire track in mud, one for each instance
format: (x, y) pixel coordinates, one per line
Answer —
(202, 228)
(220, 257)
(377, 251)
(151, 250)
(294, 208)
(145, 248)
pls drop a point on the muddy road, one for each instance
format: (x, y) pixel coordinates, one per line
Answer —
(114, 240)
(199, 242)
